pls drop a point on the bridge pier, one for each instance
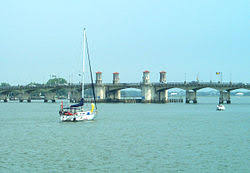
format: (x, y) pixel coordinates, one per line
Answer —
(4, 98)
(99, 87)
(148, 93)
(191, 96)
(148, 90)
(24, 96)
(100, 92)
(163, 96)
(224, 97)
(50, 96)
(114, 95)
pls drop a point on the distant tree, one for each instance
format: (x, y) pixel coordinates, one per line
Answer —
(56, 81)
(3, 84)
(34, 84)
(62, 92)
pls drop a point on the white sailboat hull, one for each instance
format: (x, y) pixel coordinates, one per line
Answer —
(80, 116)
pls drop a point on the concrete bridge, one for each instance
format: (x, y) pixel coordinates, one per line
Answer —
(156, 92)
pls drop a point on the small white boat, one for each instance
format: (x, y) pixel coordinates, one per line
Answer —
(79, 112)
(220, 107)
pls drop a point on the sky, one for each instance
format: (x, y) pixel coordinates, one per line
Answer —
(186, 39)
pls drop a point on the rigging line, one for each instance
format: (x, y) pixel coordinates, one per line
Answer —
(90, 69)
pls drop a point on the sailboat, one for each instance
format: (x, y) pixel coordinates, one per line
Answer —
(78, 112)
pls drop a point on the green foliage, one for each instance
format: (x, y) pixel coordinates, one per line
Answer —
(34, 84)
(3, 84)
(56, 81)
(62, 92)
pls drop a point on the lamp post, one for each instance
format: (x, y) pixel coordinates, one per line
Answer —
(185, 78)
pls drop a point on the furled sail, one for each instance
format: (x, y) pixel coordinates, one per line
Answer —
(78, 104)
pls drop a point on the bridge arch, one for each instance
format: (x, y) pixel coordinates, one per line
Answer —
(131, 93)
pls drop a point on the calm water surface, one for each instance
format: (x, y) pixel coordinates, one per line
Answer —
(173, 137)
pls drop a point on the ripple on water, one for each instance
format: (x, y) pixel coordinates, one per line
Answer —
(126, 138)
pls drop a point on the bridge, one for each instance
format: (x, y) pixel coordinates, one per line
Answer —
(156, 92)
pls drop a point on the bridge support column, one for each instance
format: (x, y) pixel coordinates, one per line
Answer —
(50, 96)
(114, 95)
(24, 96)
(224, 96)
(191, 96)
(100, 90)
(4, 98)
(148, 91)
(148, 94)
(163, 96)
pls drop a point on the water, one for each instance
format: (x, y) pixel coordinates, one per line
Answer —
(172, 137)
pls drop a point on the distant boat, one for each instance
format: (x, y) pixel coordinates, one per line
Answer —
(239, 94)
(78, 112)
(220, 107)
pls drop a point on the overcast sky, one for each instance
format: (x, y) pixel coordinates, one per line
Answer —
(194, 37)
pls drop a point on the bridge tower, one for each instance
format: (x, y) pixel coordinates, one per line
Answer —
(191, 96)
(99, 87)
(117, 93)
(224, 96)
(116, 78)
(98, 77)
(148, 91)
(163, 78)
(145, 77)
(114, 94)
(163, 95)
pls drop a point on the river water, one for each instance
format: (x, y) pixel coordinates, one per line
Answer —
(174, 137)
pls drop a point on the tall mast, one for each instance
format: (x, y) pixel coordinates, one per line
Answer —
(90, 70)
(83, 61)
